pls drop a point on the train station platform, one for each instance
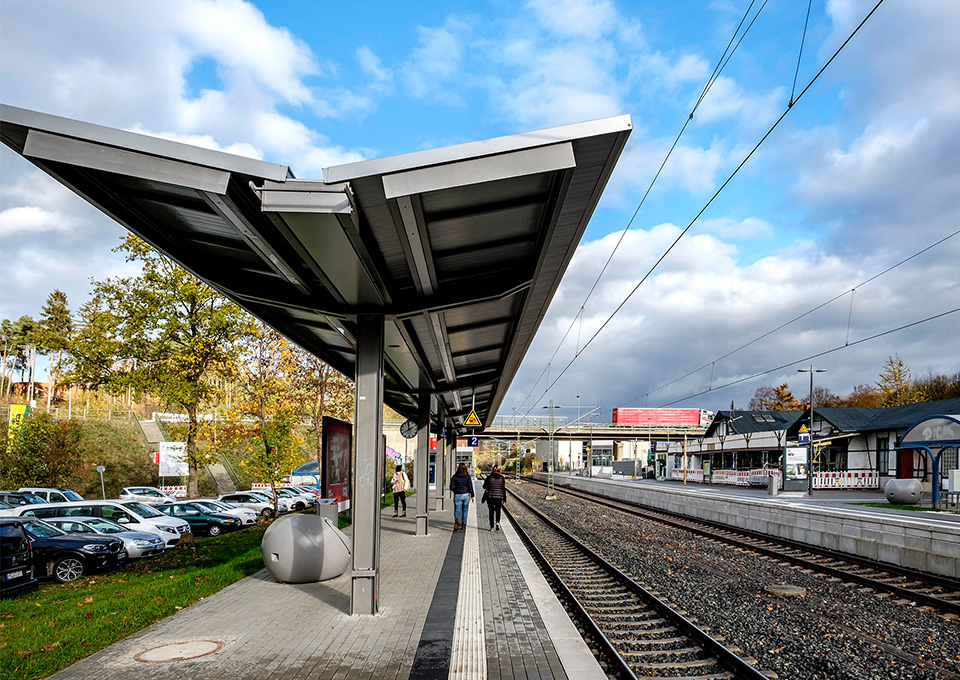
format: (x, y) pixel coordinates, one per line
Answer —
(465, 604)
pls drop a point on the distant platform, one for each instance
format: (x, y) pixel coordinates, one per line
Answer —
(465, 604)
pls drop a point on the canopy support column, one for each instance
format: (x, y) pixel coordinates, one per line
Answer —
(422, 481)
(440, 461)
(368, 461)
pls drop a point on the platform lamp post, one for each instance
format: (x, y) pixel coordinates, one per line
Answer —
(811, 371)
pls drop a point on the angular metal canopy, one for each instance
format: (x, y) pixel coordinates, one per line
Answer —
(460, 248)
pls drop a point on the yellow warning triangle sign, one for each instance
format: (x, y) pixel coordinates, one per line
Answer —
(472, 420)
(803, 428)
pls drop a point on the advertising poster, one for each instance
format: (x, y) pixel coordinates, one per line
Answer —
(335, 468)
(796, 467)
(172, 459)
(18, 413)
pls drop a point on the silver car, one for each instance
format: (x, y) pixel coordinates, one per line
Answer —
(254, 501)
(148, 495)
(245, 515)
(137, 543)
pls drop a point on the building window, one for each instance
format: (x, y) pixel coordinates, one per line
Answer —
(883, 455)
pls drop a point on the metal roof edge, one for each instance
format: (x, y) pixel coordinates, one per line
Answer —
(486, 147)
(136, 141)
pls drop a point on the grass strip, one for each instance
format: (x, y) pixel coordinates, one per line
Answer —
(50, 629)
(912, 508)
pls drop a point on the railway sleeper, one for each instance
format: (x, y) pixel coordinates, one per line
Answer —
(725, 675)
(620, 635)
(654, 641)
(679, 651)
(664, 665)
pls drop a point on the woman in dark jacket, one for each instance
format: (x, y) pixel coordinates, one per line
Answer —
(495, 486)
(462, 487)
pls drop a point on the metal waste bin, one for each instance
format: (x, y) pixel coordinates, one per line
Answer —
(328, 508)
(773, 485)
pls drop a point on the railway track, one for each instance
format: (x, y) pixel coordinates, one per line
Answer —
(908, 585)
(641, 635)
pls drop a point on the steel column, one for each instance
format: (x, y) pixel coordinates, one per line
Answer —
(368, 461)
(422, 456)
(440, 459)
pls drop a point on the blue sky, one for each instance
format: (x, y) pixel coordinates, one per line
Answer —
(862, 173)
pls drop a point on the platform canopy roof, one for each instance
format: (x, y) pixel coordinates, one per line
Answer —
(460, 248)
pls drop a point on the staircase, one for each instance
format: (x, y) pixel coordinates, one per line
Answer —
(151, 434)
(222, 478)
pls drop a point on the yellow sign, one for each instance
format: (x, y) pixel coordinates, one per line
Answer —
(18, 413)
(472, 420)
(803, 428)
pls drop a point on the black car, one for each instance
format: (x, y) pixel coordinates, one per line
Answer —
(66, 557)
(200, 519)
(16, 558)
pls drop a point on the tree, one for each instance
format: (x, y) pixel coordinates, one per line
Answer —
(938, 387)
(762, 398)
(164, 332)
(324, 392)
(267, 411)
(822, 397)
(865, 396)
(7, 340)
(53, 334)
(896, 387)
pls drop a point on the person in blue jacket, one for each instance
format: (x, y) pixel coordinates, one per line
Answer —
(462, 487)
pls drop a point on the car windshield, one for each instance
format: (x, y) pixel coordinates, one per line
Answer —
(40, 529)
(5, 506)
(72, 495)
(30, 498)
(142, 510)
(105, 526)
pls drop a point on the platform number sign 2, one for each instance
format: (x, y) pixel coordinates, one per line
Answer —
(473, 441)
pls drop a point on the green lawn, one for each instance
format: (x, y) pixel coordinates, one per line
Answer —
(45, 631)
(914, 508)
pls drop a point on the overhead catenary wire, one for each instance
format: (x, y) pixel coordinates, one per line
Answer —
(714, 196)
(717, 70)
(815, 356)
(798, 317)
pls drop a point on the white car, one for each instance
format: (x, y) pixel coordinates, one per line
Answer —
(137, 543)
(245, 515)
(297, 499)
(256, 502)
(130, 514)
(148, 495)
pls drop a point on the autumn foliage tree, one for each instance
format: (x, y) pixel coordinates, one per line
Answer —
(162, 332)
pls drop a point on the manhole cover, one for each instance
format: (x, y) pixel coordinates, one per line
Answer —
(179, 651)
(779, 590)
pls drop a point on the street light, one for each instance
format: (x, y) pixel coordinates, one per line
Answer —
(811, 371)
(101, 469)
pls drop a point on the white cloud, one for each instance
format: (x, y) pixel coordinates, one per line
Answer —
(435, 62)
(32, 220)
(729, 228)
(727, 99)
(576, 18)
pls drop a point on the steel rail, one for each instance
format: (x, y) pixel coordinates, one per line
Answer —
(684, 522)
(724, 656)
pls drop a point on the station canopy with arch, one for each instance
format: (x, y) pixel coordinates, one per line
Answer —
(934, 435)
(424, 275)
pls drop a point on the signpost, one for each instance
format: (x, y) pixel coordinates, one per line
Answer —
(103, 490)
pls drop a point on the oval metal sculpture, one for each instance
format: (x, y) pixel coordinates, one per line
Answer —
(305, 549)
(903, 491)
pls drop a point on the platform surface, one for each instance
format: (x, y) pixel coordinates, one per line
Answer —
(281, 631)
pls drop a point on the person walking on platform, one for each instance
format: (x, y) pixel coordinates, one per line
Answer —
(401, 484)
(462, 487)
(495, 493)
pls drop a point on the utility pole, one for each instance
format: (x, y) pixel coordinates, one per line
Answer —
(551, 482)
(811, 371)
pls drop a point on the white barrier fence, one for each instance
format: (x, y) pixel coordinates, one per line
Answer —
(846, 480)
(175, 491)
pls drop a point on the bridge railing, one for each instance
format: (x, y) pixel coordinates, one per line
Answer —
(527, 423)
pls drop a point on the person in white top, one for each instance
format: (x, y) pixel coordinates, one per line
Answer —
(401, 484)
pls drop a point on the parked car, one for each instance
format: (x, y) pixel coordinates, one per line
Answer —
(130, 514)
(245, 515)
(312, 490)
(248, 499)
(7, 509)
(148, 495)
(66, 557)
(298, 500)
(18, 498)
(201, 519)
(53, 494)
(136, 543)
(16, 558)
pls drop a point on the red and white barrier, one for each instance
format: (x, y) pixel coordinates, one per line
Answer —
(846, 480)
(256, 486)
(175, 491)
(734, 477)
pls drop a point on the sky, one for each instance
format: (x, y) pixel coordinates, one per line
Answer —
(863, 172)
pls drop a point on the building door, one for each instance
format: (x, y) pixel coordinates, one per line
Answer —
(905, 464)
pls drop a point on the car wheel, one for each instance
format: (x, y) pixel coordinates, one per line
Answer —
(67, 569)
(266, 512)
(298, 507)
(215, 530)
